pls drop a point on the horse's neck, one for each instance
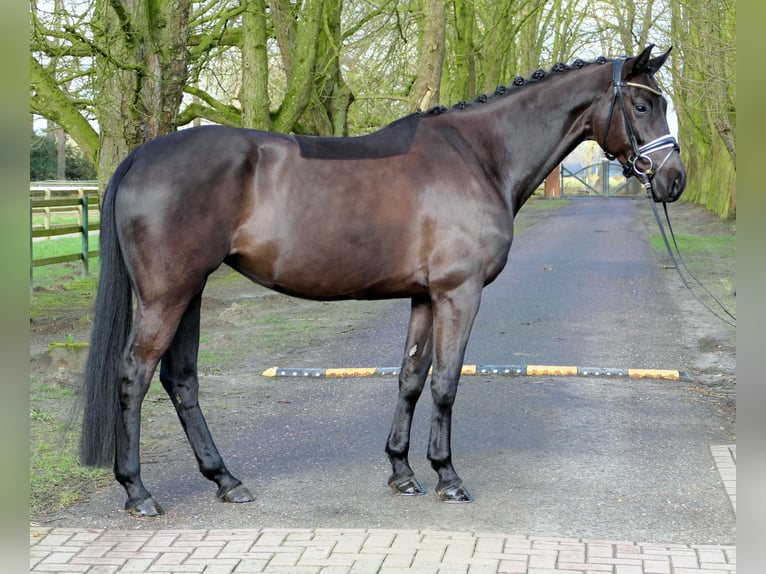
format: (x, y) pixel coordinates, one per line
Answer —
(526, 135)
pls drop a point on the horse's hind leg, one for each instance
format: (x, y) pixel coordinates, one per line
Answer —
(178, 375)
(412, 378)
(152, 332)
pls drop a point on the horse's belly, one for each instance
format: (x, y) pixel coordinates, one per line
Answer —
(313, 272)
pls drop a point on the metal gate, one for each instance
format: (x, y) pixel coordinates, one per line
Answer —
(596, 180)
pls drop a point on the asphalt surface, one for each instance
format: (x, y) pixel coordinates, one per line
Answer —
(618, 459)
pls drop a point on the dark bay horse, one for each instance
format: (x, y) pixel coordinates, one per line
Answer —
(421, 209)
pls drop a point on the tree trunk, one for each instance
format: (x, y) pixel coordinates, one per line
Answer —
(254, 95)
(425, 92)
(141, 73)
(529, 46)
(464, 78)
(300, 59)
(327, 112)
(58, 136)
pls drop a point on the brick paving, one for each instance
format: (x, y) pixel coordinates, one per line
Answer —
(726, 461)
(370, 551)
(350, 551)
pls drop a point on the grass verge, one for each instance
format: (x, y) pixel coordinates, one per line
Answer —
(60, 306)
(56, 478)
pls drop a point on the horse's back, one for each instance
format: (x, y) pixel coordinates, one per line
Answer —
(196, 158)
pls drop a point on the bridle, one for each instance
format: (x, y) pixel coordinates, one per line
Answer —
(640, 153)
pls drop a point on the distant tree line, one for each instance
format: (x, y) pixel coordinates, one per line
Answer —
(44, 161)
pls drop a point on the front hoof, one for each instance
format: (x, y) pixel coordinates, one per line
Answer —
(147, 507)
(407, 486)
(455, 494)
(239, 493)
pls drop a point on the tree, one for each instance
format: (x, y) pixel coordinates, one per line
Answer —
(287, 57)
(141, 69)
(492, 42)
(463, 77)
(42, 158)
(44, 163)
(705, 96)
(78, 167)
(378, 57)
(317, 97)
(114, 73)
(332, 97)
(131, 53)
(254, 94)
(432, 22)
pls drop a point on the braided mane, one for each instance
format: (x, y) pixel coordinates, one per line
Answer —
(396, 138)
(518, 82)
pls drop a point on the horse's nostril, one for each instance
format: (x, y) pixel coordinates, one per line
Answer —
(679, 182)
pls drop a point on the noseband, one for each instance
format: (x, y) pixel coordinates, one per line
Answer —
(640, 153)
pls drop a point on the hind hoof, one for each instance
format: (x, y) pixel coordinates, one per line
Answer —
(147, 507)
(407, 486)
(239, 493)
(455, 494)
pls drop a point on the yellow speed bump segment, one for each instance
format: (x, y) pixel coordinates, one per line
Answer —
(351, 372)
(654, 374)
(465, 370)
(555, 370)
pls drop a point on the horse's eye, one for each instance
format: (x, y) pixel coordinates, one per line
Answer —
(641, 108)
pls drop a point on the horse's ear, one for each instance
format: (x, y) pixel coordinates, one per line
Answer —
(644, 63)
(638, 64)
(656, 63)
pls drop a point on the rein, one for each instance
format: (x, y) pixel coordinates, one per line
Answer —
(641, 153)
(676, 258)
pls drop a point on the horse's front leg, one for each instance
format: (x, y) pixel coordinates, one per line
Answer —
(454, 313)
(412, 378)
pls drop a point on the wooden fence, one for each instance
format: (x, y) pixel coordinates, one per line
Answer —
(78, 199)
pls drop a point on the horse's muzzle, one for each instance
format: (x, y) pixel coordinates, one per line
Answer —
(669, 185)
(667, 175)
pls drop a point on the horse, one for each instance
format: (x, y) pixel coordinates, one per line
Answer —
(421, 209)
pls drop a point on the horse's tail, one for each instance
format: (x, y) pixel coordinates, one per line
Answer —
(112, 321)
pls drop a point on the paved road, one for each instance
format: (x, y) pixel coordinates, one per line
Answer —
(578, 457)
(581, 289)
